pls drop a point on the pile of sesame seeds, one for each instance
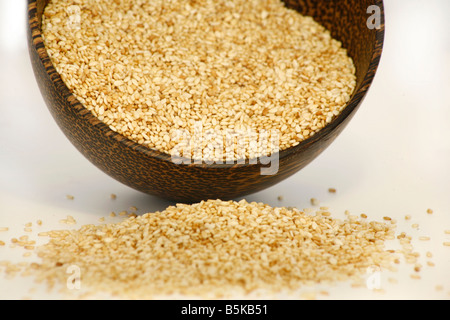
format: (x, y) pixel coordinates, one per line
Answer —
(214, 248)
(218, 249)
(149, 69)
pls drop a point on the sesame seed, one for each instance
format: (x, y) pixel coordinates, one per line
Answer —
(3, 229)
(429, 211)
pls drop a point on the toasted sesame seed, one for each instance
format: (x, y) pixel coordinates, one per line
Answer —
(314, 201)
(3, 229)
(69, 220)
(429, 211)
(113, 196)
(447, 244)
(70, 197)
(331, 190)
(392, 280)
(408, 217)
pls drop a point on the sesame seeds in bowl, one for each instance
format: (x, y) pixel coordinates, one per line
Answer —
(192, 100)
(149, 70)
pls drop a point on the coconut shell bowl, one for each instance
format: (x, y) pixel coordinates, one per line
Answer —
(154, 172)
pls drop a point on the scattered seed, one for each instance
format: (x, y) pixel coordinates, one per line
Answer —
(392, 280)
(69, 220)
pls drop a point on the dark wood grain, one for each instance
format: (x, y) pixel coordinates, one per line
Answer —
(153, 172)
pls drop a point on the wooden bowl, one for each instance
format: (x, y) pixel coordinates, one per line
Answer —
(154, 172)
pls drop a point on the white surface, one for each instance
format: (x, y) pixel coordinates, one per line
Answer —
(392, 160)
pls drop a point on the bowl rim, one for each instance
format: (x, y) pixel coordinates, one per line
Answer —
(36, 41)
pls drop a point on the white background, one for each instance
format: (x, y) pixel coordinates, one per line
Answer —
(392, 160)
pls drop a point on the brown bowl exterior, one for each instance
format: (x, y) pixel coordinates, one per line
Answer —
(154, 172)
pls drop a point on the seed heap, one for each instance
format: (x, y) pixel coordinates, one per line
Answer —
(215, 248)
(153, 69)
